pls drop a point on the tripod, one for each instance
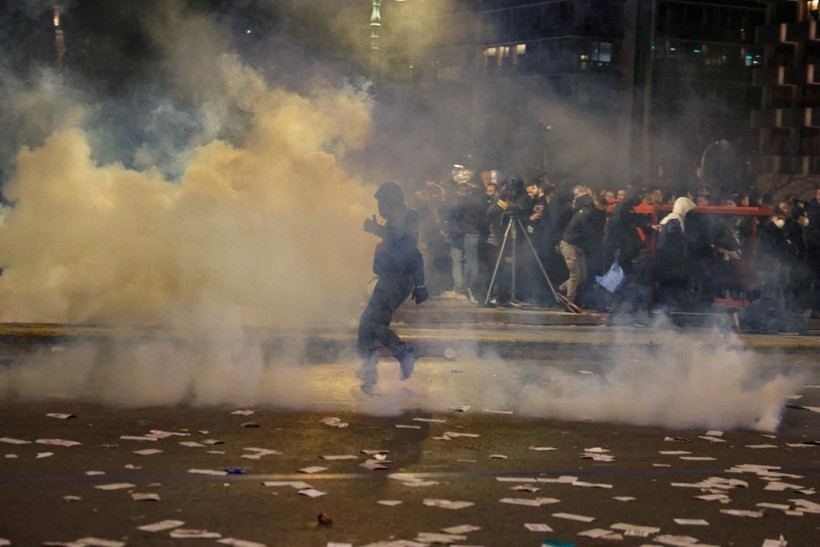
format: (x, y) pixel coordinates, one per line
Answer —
(512, 230)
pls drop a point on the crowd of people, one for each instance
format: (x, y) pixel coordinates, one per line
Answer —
(512, 243)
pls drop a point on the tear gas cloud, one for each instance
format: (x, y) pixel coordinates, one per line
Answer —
(685, 381)
(232, 195)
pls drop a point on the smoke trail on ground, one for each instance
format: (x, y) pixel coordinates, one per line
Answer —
(686, 380)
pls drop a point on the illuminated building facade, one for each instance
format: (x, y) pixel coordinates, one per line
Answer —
(788, 120)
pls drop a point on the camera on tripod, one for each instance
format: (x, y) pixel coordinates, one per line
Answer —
(512, 189)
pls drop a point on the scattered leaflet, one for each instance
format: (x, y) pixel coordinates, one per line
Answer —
(161, 526)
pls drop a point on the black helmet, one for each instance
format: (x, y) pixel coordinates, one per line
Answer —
(390, 192)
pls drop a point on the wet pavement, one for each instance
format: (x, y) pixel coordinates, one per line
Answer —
(527, 434)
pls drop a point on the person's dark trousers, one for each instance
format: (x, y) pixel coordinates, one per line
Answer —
(391, 291)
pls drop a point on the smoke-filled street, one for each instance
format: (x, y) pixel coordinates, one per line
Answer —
(213, 213)
(482, 462)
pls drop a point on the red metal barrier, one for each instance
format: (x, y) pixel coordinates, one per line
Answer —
(744, 273)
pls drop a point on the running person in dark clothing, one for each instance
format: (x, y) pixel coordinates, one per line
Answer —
(398, 264)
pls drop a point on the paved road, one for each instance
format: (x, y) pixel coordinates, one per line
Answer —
(566, 411)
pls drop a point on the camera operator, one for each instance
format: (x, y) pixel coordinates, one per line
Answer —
(538, 224)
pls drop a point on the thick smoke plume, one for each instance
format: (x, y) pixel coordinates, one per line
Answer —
(262, 226)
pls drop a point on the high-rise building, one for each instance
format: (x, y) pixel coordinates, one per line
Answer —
(788, 120)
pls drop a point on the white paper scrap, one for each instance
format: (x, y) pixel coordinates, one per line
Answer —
(537, 527)
(242, 412)
(57, 442)
(148, 451)
(461, 529)
(161, 526)
(94, 473)
(714, 433)
(41, 455)
(677, 541)
(711, 439)
(390, 503)
(447, 504)
(761, 446)
(115, 486)
(584, 484)
(525, 488)
(433, 537)
(536, 502)
(571, 516)
(160, 434)
(722, 498)
(698, 458)
(374, 465)
(60, 415)
(191, 444)
(313, 469)
(495, 411)
(11, 440)
(498, 457)
(311, 493)
(743, 513)
(334, 422)
(72, 498)
(374, 452)
(214, 472)
(778, 486)
(542, 448)
(806, 505)
(456, 434)
(634, 529)
(624, 498)
(298, 485)
(674, 452)
(691, 522)
(188, 533)
(136, 496)
(239, 542)
(334, 544)
(600, 533)
(407, 426)
(430, 420)
(138, 438)
(780, 542)
(338, 457)
(99, 542)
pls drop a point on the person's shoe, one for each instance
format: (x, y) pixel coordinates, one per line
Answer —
(368, 373)
(407, 361)
(470, 298)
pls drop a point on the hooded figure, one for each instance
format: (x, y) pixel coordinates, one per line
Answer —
(622, 237)
(672, 236)
(672, 266)
(398, 264)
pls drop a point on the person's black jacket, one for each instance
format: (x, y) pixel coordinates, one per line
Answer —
(622, 229)
(581, 227)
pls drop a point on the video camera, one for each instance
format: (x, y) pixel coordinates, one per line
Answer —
(511, 189)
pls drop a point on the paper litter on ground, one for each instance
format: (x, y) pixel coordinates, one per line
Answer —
(571, 516)
(115, 486)
(161, 525)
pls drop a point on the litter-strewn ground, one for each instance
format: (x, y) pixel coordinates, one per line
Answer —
(472, 475)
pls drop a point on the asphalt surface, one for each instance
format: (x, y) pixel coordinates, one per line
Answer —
(528, 433)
